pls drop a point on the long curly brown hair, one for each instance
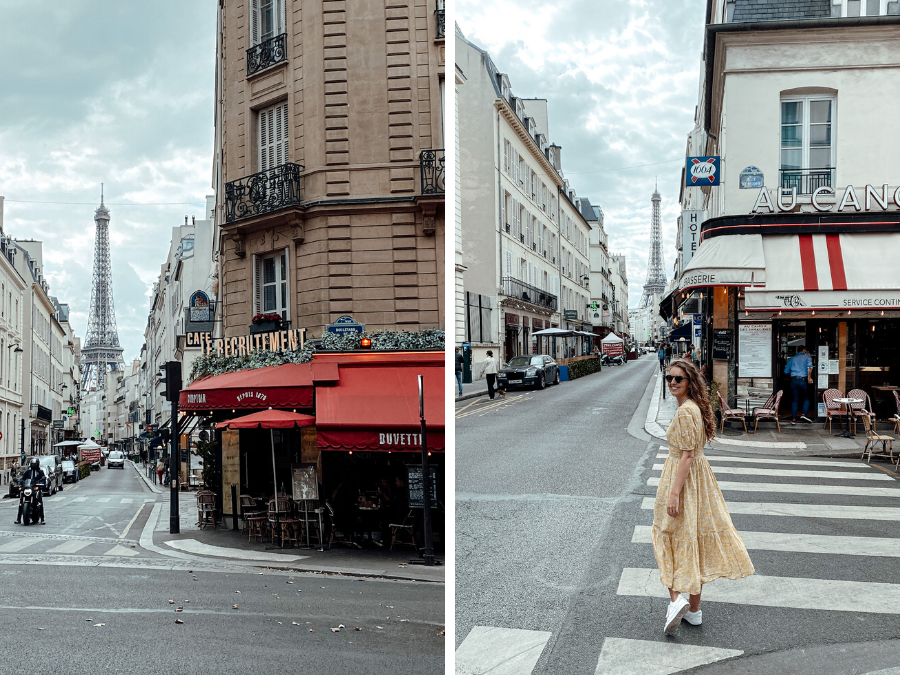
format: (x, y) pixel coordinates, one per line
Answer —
(698, 392)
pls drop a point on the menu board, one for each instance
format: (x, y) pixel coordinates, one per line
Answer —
(755, 350)
(304, 482)
(231, 464)
(416, 490)
(722, 344)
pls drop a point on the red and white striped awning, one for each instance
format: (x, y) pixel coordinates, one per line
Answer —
(829, 272)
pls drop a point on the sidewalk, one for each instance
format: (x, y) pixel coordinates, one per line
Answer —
(230, 546)
(801, 440)
(472, 390)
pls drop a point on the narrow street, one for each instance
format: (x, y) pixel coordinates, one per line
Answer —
(569, 584)
(93, 590)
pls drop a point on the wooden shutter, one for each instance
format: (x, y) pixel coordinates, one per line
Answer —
(257, 285)
(254, 23)
(273, 137)
(509, 269)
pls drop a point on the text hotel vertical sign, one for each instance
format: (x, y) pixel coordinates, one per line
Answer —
(690, 235)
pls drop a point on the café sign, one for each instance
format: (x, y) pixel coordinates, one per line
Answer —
(825, 199)
(276, 341)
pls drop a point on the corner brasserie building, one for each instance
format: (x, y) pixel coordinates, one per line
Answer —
(771, 281)
(364, 432)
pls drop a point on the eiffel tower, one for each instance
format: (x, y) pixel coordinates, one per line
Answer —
(102, 352)
(656, 274)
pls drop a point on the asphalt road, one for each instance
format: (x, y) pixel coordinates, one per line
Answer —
(85, 567)
(554, 573)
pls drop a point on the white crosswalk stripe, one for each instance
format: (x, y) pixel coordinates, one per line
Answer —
(125, 500)
(791, 473)
(888, 513)
(17, 545)
(80, 499)
(787, 460)
(69, 547)
(799, 488)
(645, 657)
(500, 651)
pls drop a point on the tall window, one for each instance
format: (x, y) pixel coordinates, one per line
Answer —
(273, 136)
(272, 284)
(267, 20)
(807, 150)
(853, 8)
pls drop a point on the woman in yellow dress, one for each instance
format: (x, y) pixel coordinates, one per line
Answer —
(694, 539)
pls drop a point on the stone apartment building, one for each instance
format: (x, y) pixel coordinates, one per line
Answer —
(329, 163)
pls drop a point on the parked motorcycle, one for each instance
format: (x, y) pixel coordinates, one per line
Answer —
(31, 502)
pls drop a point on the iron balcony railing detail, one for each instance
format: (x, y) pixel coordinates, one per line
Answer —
(266, 53)
(263, 192)
(514, 288)
(432, 163)
(441, 23)
(806, 181)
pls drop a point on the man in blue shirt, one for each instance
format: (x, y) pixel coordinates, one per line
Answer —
(800, 368)
(661, 355)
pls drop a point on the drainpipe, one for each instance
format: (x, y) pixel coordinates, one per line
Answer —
(500, 341)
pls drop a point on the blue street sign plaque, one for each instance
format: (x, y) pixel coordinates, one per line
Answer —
(346, 325)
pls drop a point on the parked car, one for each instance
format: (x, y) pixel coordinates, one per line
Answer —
(115, 459)
(522, 371)
(70, 471)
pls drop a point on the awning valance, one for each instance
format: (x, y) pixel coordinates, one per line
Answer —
(375, 405)
(829, 272)
(286, 386)
(734, 260)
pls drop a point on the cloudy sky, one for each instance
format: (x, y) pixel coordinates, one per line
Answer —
(119, 93)
(621, 79)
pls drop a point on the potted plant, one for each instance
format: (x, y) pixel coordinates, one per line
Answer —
(265, 323)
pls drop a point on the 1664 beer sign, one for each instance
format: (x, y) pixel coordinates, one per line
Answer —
(702, 171)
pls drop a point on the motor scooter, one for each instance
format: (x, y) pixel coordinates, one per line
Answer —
(31, 501)
(609, 360)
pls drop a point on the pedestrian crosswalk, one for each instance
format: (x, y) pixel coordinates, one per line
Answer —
(796, 516)
(55, 545)
(109, 501)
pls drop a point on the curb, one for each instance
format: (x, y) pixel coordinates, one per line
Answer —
(474, 394)
(153, 488)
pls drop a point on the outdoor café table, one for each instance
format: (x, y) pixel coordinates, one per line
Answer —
(368, 518)
(847, 403)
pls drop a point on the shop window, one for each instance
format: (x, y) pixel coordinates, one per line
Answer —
(271, 284)
(807, 150)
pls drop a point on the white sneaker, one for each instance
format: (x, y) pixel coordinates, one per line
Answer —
(694, 618)
(676, 610)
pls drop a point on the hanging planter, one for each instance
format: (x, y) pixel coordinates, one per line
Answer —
(265, 323)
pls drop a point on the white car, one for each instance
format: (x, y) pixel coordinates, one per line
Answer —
(115, 459)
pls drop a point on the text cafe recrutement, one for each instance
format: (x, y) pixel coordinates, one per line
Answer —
(242, 345)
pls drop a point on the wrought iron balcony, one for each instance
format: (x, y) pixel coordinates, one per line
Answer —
(432, 163)
(514, 288)
(441, 23)
(266, 53)
(263, 192)
(806, 181)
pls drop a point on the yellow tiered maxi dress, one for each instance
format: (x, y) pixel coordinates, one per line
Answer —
(701, 544)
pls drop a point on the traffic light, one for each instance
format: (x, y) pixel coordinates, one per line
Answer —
(172, 380)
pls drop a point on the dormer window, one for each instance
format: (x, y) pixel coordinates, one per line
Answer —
(854, 8)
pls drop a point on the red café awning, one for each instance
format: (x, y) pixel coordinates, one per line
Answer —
(285, 386)
(375, 405)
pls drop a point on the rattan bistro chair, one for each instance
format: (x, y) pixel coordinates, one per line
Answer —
(206, 509)
(832, 409)
(768, 413)
(873, 437)
(863, 409)
(729, 413)
(896, 416)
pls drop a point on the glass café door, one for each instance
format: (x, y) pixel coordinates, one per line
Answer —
(791, 336)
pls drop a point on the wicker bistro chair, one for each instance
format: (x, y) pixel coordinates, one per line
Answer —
(873, 437)
(729, 413)
(206, 509)
(832, 409)
(768, 413)
(284, 511)
(248, 510)
(863, 409)
(896, 416)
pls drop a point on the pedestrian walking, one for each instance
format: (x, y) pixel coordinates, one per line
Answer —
(459, 370)
(160, 468)
(661, 355)
(800, 367)
(489, 370)
(694, 540)
(668, 354)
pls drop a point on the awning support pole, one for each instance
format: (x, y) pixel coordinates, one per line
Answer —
(428, 554)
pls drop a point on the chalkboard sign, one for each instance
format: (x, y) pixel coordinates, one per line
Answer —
(416, 491)
(722, 344)
(304, 482)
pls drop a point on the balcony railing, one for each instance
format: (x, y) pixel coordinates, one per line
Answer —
(432, 162)
(806, 181)
(266, 53)
(262, 192)
(441, 22)
(514, 288)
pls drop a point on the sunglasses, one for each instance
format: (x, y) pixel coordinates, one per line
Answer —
(677, 379)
